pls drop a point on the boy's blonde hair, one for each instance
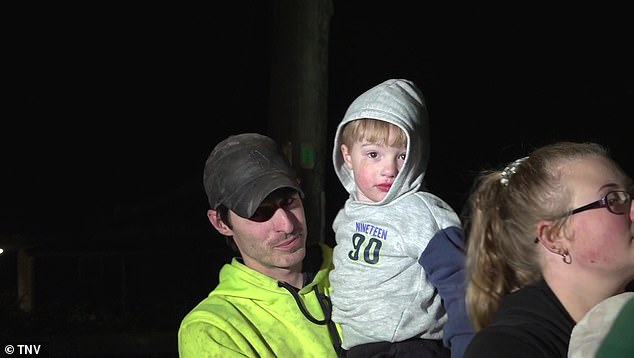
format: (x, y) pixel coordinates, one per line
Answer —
(374, 131)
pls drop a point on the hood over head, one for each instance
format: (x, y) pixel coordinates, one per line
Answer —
(400, 102)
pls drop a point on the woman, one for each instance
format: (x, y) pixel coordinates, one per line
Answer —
(549, 237)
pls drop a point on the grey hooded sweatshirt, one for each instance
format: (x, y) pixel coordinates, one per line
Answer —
(398, 263)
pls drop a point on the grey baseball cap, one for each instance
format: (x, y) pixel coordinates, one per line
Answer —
(243, 170)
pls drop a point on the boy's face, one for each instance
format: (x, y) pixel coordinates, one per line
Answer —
(375, 167)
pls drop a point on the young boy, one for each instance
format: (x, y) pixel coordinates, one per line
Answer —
(398, 280)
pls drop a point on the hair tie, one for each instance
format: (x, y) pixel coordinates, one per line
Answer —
(510, 170)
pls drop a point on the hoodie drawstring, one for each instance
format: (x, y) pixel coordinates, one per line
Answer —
(326, 307)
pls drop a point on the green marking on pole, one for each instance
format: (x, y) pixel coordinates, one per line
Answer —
(307, 156)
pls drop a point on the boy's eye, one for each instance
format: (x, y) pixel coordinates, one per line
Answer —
(373, 155)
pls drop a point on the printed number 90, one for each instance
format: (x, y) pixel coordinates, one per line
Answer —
(370, 250)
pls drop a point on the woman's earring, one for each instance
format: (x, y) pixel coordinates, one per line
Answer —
(565, 257)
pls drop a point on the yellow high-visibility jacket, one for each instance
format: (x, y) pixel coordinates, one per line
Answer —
(250, 314)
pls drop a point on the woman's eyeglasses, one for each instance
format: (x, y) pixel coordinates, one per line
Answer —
(617, 202)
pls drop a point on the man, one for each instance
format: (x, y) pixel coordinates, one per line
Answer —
(273, 300)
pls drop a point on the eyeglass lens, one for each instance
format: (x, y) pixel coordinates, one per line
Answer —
(618, 202)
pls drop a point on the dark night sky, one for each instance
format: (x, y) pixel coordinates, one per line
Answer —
(120, 109)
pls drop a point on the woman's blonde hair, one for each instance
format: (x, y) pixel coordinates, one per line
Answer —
(501, 219)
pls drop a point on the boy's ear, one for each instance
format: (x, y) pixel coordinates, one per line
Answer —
(547, 236)
(345, 153)
(217, 223)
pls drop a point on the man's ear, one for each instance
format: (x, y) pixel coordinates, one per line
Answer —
(548, 236)
(217, 223)
(345, 153)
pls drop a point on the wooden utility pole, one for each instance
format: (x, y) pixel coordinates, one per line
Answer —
(298, 96)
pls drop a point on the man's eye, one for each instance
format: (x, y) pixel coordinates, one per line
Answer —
(287, 202)
(263, 213)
